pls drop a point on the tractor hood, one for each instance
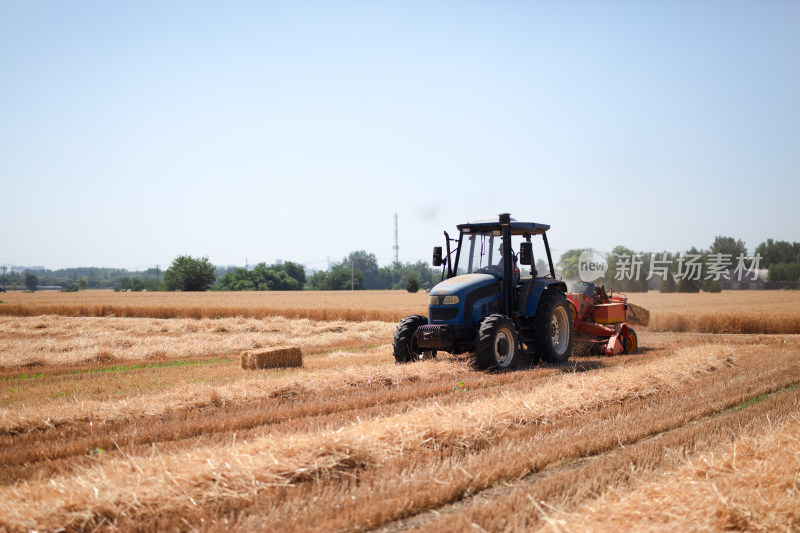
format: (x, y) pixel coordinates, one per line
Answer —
(464, 300)
(460, 284)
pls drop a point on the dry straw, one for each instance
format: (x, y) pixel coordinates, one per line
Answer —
(711, 492)
(284, 356)
(350, 372)
(638, 315)
(172, 481)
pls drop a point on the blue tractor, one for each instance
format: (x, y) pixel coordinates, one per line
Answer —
(484, 305)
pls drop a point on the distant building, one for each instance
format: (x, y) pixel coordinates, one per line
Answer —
(747, 281)
(22, 269)
(732, 284)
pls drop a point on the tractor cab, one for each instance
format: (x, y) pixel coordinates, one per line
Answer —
(476, 273)
(484, 252)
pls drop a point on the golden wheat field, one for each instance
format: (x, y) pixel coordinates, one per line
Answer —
(123, 411)
(388, 306)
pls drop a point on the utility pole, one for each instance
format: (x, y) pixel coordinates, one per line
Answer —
(396, 245)
(352, 272)
(4, 276)
(158, 274)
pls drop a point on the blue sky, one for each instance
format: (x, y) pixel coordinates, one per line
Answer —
(134, 132)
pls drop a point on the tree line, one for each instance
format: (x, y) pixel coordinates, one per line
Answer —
(780, 258)
(359, 270)
(74, 279)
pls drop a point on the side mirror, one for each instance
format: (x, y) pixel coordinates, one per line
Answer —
(526, 253)
(437, 256)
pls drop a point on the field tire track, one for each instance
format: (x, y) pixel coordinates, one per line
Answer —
(22, 453)
(589, 477)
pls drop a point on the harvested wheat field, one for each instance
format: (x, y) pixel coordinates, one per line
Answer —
(727, 312)
(132, 422)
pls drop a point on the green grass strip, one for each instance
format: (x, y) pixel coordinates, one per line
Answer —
(24, 376)
(123, 368)
(758, 399)
(171, 364)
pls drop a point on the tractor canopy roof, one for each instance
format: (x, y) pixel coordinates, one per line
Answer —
(492, 224)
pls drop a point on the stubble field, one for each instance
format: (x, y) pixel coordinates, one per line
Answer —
(130, 411)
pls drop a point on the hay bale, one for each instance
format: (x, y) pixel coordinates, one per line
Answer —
(638, 315)
(279, 357)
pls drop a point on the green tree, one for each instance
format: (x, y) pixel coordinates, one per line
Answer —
(684, 268)
(778, 252)
(687, 285)
(31, 281)
(187, 273)
(339, 279)
(728, 245)
(385, 277)
(236, 280)
(367, 264)
(637, 268)
(784, 272)
(262, 278)
(295, 271)
(568, 263)
(412, 285)
(83, 284)
(667, 285)
(318, 281)
(151, 284)
(273, 278)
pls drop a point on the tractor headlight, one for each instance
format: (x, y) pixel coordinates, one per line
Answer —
(433, 300)
(451, 300)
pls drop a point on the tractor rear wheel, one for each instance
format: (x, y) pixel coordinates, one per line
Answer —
(631, 342)
(404, 346)
(553, 328)
(497, 346)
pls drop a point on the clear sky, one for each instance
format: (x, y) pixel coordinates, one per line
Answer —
(132, 132)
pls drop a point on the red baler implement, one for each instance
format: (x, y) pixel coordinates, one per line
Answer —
(602, 320)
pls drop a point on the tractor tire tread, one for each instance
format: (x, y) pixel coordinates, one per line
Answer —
(543, 343)
(484, 346)
(403, 347)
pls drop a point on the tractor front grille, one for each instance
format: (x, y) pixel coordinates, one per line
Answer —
(443, 313)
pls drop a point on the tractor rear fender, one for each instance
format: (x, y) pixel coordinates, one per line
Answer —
(530, 291)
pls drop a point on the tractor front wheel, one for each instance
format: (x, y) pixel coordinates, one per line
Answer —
(405, 346)
(497, 346)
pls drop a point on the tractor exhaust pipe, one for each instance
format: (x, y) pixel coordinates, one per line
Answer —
(508, 264)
